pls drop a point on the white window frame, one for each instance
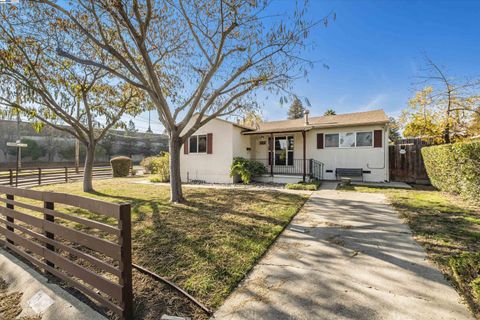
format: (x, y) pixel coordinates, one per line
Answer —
(197, 136)
(355, 136)
(288, 150)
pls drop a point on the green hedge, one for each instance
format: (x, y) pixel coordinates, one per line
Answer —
(455, 168)
(121, 166)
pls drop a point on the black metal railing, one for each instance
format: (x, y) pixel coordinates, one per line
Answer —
(316, 168)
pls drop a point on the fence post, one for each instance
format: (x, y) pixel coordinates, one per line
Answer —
(66, 174)
(125, 226)
(50, 218)
(11, 177)
(10, 219)
(39, 176)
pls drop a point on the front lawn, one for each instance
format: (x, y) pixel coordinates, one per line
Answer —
(449, 230)
(206, 245)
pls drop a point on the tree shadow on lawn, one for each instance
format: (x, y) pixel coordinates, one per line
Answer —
(209, 243)
(449, 229)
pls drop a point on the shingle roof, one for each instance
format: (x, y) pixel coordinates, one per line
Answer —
(340, 120)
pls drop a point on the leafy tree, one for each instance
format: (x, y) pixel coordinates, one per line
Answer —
(34, 150)
(52, 89)
(330, 112)
(453, 103)
(130, 140)
(251, 119)
(108, 143)
(394, 129)
(421, 119)
(296, 109)
(474, 126)
(195, 60)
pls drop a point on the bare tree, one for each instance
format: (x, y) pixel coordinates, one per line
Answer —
(196, 60)
(80, 100)
(456, 99)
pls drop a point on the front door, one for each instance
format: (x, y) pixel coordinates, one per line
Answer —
(283, 151)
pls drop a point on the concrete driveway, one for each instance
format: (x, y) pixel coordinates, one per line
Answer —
(356, 260)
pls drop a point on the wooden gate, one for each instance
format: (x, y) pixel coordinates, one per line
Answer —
(51, 231)
(406, 161)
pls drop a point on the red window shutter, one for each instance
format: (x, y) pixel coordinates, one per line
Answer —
(319, 140)
(209, 143)
(185, 147)
(377, 138)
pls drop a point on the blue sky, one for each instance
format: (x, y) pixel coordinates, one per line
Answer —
(374, 51)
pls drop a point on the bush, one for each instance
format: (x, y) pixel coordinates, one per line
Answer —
(159, 165)
(246, 169)
(121, 166)
(310, 186)
(455, 168)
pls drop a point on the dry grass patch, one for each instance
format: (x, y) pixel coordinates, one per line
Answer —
(206, 245)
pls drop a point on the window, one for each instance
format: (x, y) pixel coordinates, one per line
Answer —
(202, 144)
(347, 140)
(283, 151)
(364, 139)
(198, 144)
(331, 140)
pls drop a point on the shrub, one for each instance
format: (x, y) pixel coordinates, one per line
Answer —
(455, 168)
(159, 166)
(246, 169)
(310, 186)
(121, 166)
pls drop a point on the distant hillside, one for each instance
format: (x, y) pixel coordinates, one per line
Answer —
(52, 145)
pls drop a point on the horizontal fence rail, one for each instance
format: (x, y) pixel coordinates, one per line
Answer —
(52, 231)
(28, 177)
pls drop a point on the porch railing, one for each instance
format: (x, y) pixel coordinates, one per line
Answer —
(316, 169)
(313, 168)
(295, 167)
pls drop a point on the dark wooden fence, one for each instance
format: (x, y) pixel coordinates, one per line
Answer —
(32, 176)
(92, 257)
(406, 161)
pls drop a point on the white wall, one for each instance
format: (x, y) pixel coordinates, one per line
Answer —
(370, 159)
(228, 142)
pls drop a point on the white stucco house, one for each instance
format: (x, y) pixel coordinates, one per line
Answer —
(326, 147)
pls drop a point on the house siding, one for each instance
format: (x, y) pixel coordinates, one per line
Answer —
(370, 159)
(215, 167)
(228, 142)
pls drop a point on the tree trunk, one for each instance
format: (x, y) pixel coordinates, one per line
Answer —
(176, 194)
(446, 134)
(88, 172)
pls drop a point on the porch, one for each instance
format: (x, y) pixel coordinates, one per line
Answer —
(284, 153)
(298, 168)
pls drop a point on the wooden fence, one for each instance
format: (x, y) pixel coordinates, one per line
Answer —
(406, 161)
(32, 176)
(91, 256)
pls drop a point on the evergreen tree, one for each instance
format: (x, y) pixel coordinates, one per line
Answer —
(296, 109)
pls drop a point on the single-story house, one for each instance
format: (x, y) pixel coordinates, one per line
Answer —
(325, 148)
